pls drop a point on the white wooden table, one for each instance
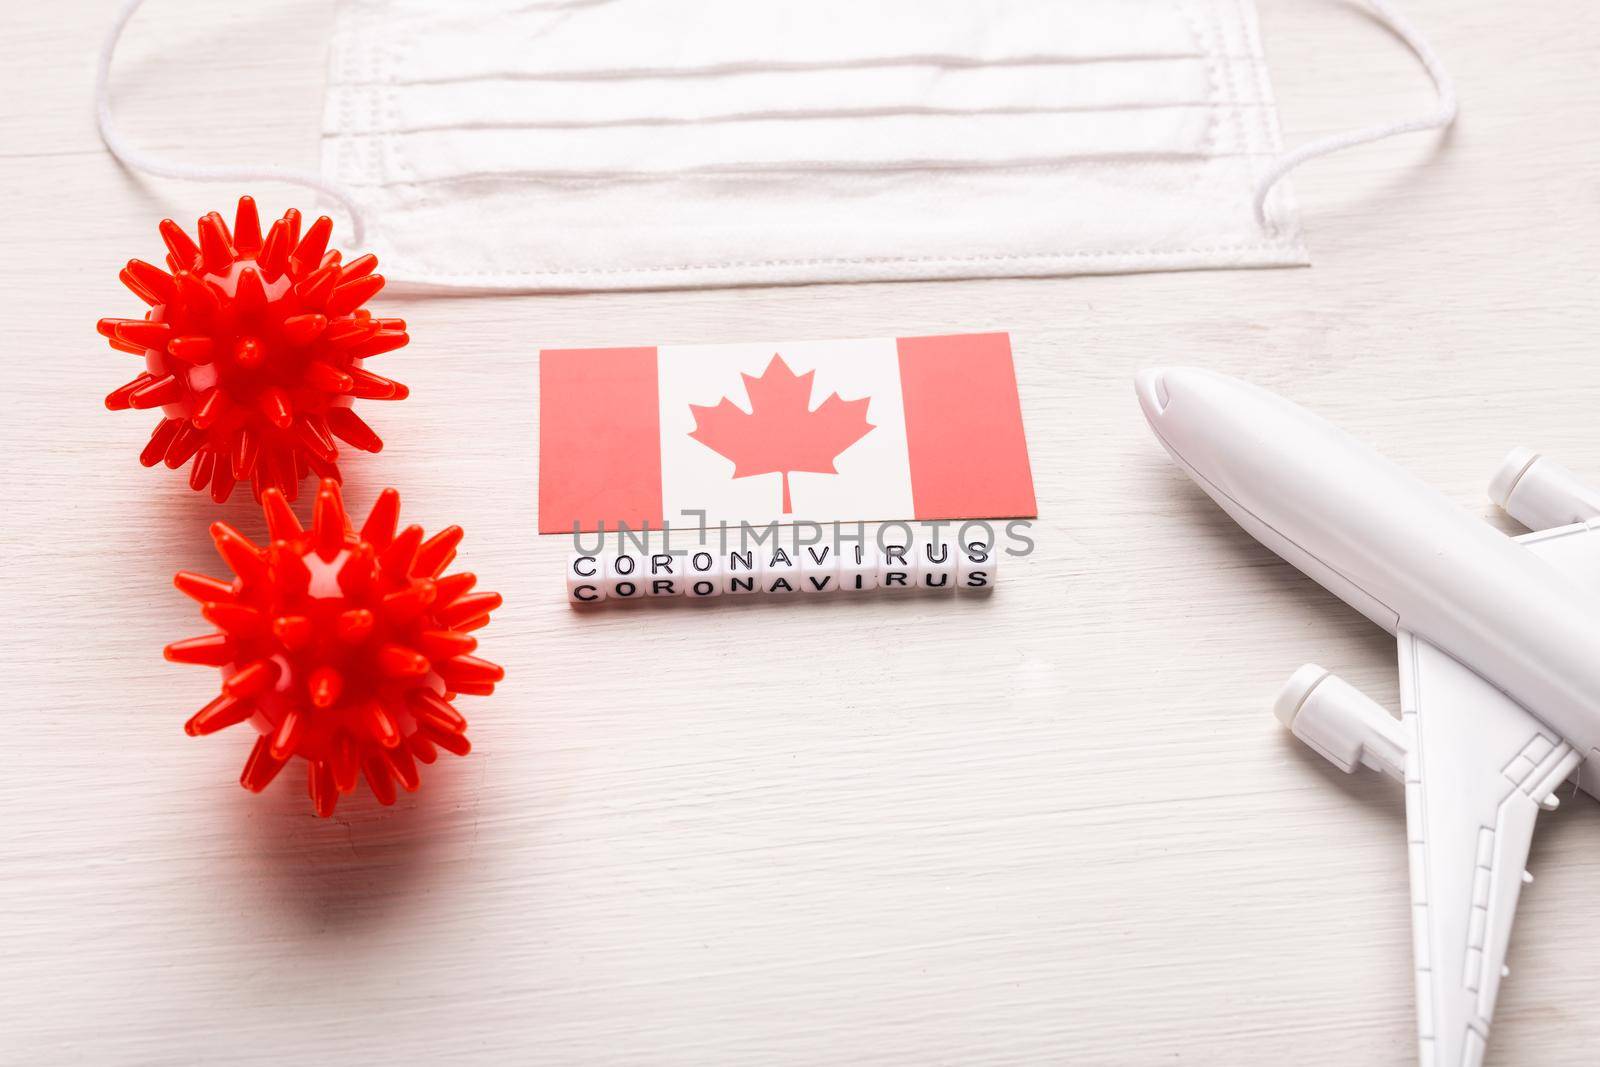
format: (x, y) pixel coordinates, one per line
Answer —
(1056, 826)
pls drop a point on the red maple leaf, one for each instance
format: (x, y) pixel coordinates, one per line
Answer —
(780, 433)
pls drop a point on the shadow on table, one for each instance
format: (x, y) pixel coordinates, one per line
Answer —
(367, 865)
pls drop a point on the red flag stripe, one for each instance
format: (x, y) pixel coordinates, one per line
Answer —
(969, 458)
(599, 439)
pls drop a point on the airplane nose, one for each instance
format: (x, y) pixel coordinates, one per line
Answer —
(1152, 389)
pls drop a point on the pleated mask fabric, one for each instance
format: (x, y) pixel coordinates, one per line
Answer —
(620, 144)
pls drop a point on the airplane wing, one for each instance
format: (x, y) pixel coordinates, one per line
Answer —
(1477, 769)
(1573, 549)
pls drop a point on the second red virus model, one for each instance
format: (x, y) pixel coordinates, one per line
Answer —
(253, 350)
(344, 647)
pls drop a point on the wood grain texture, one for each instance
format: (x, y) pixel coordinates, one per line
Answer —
(1058, 825)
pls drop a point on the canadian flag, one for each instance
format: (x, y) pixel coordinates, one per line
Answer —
(824, 431)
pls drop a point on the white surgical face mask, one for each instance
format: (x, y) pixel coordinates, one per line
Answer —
(610, 144)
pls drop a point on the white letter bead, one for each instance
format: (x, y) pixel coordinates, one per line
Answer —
(702, 573)
(661, 576)
(819, 569)
(625, 576)
(977, 566)
(897, 566)
(858, 568)
(742, 570)
(936, 565)
(781, 573)
(586, 578)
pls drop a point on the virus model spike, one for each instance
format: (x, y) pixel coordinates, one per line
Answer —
(342, 645)
(253, 349)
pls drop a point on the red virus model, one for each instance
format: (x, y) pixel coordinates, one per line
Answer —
(343, 647)
(253, 351)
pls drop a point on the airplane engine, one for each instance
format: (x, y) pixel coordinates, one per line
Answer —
(1346, 726)
(1540, 493)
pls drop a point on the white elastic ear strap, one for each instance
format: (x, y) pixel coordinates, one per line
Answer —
(1442, 115)
(165, 168)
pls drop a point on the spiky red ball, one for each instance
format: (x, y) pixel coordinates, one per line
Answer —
(253, 350)
(343, 647)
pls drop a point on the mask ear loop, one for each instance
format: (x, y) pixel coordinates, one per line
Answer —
(138, 159)
(1442, 116)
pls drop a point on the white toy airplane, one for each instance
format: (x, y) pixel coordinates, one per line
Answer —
(1499, 643)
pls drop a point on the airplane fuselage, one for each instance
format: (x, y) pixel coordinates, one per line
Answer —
(1386, 543)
